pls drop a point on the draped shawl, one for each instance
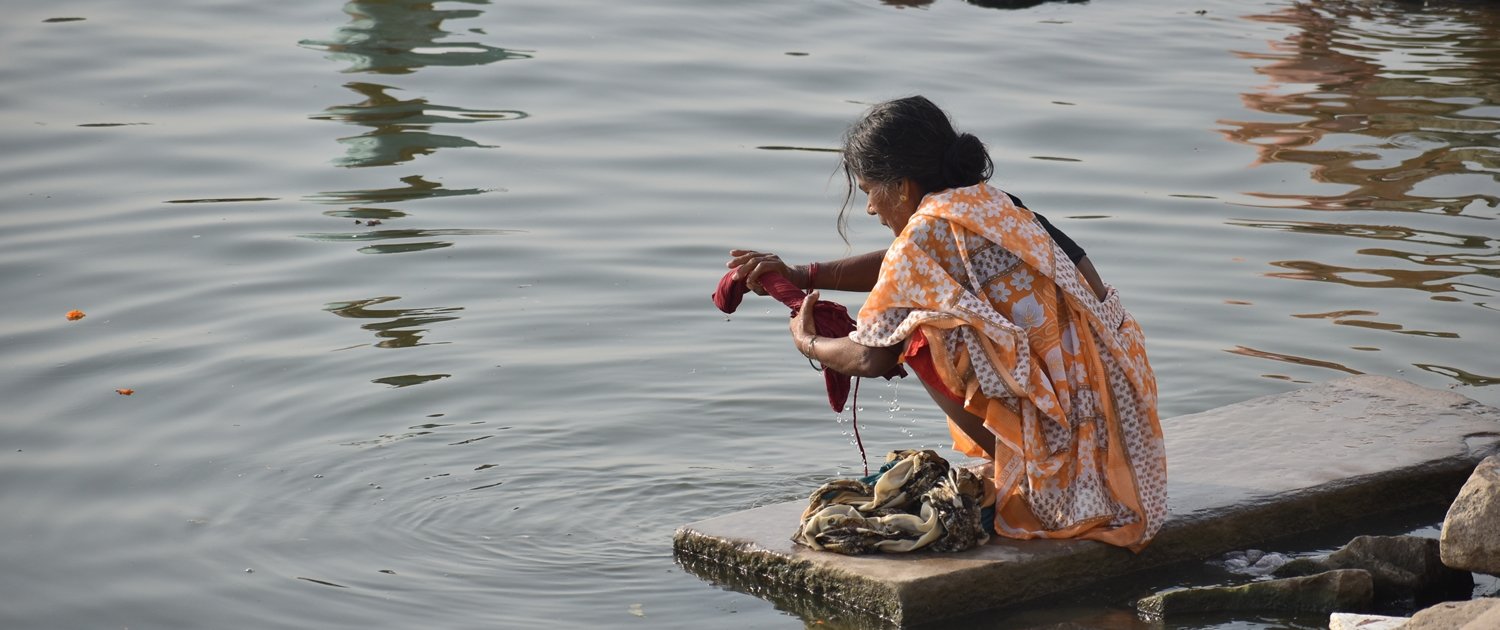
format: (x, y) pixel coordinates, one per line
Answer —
(1059, 377)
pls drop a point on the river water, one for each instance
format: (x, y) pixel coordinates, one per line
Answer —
(413, 297)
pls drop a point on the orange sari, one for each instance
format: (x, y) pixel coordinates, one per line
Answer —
(1059, 377)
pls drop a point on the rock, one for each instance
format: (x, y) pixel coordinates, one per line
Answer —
(1479, 614)
(1337, 590)
(1405, 568)
(1352, 621)
(1253, 562)
(1471, 532)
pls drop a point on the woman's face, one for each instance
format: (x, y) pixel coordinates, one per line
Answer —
(885, 201)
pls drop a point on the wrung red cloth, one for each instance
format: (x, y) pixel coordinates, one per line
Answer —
(830, 319)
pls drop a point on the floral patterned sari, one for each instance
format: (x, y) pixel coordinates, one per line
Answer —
(1058, 376)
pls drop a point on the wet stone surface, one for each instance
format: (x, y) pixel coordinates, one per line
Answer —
(1265, 468)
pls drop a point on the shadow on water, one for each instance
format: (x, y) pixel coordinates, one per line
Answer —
(1392, 108)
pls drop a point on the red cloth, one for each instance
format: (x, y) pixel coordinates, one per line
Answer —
(830, 319)
(920, 359)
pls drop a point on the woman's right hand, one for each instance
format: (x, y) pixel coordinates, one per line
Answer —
(750, 265)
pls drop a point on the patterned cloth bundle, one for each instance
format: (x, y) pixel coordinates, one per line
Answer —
(916, 501)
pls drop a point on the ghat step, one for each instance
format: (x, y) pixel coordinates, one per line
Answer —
(1237, 475)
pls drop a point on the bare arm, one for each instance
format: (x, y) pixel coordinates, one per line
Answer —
(840, 353)
(855, 273)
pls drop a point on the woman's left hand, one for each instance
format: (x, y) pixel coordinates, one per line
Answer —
(802, 326)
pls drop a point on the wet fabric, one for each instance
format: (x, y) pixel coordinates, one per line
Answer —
(830, 319)
(1059, 377)
(916, 501)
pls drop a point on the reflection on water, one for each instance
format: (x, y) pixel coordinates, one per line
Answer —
(988, 4)
(407, 380)
(402, 328)
(396, 248)
(416, 188)
(1290, 358)
(399, 128)
(1400, 121)
(400, 36)
(1390, 108)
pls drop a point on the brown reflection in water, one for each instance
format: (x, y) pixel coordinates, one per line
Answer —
(403, 327)
(1291, 358)
(1409, 82)
(1467, 378)
(1483, 262)
(1390, 107)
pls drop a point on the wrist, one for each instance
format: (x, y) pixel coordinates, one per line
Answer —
(809, 346)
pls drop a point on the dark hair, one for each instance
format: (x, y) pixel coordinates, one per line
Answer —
(911, 138)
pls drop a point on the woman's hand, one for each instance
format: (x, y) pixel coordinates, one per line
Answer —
(750, 265)
(802, 326)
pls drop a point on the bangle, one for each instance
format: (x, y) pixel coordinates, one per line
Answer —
(812, 276)
(812, 348)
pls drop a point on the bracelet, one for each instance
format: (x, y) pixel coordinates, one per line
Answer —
(812, 348)
(812, 276)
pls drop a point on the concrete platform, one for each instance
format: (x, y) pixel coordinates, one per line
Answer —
(1249, 472)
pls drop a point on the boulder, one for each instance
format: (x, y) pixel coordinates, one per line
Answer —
(1479, 614)
(1471, 532)
(1404, 568)
(1341, 590)
(1353, 621)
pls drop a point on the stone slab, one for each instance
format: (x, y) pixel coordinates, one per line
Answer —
(1237, 475)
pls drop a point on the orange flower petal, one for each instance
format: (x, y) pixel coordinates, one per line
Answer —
(124, 392)
(75, 315)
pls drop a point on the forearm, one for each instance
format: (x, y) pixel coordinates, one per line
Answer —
(1086, 267)
(844, 355)
(855, 273)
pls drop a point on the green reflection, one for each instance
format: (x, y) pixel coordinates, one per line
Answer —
(399, 129)
(377, 235)
(416, 188)
(407, 380)
(988, 4)
(401, 36)
(398, 248)
(402, 328)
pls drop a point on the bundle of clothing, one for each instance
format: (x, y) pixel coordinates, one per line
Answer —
(917, 501)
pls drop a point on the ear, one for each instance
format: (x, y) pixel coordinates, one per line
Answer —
(911, 191)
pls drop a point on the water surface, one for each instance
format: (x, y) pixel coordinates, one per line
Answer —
(413, 296)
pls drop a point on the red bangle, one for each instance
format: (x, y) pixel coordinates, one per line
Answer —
(812, 276)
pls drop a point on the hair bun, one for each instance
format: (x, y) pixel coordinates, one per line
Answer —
(966, 162)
